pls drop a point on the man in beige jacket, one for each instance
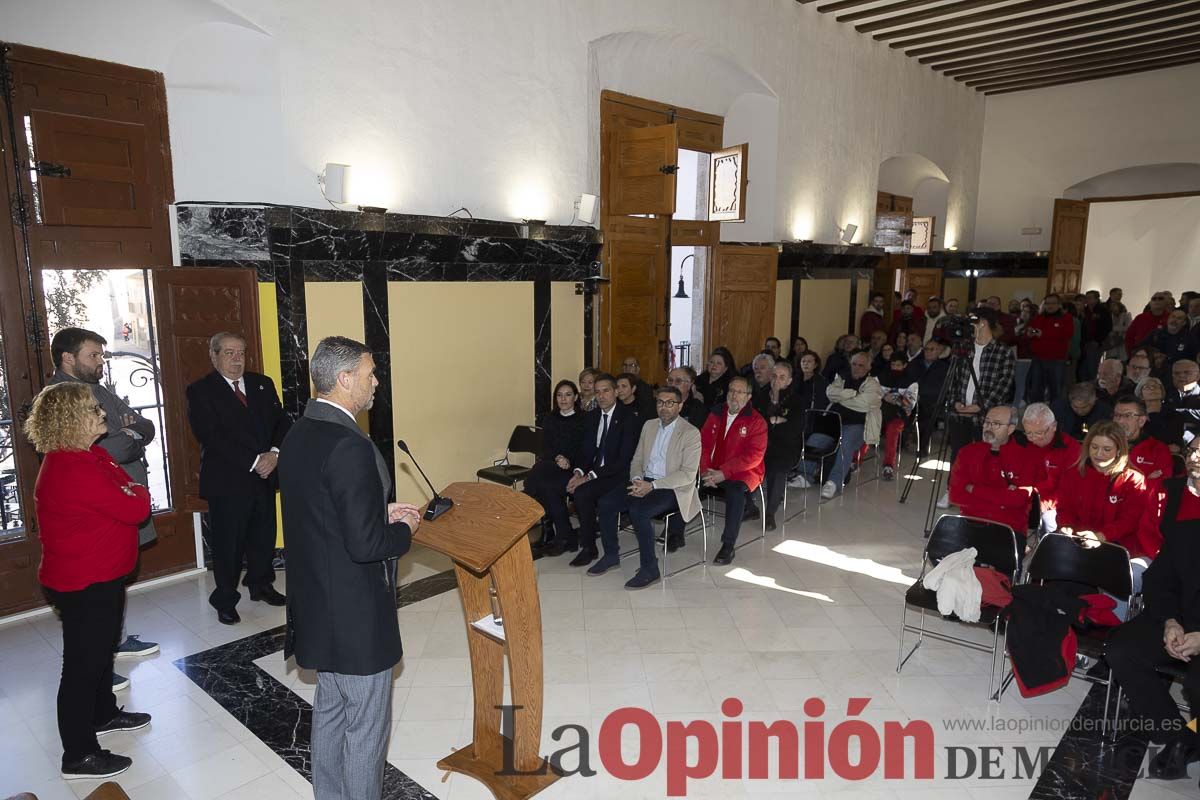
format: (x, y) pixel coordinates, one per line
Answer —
(662, 479)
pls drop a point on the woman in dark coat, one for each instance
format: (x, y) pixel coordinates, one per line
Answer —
(785, 431)
(808, 385)
(714, 381)
(562, 440)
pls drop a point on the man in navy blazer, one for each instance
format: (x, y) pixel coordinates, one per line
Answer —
(238, 420)
(610, 436)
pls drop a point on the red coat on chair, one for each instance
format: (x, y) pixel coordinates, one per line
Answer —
(739, 453)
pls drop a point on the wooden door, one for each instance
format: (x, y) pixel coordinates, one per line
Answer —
(190, 305)
(637, 267)
(926, 283)
(642, 170)
(740, 299)
(1068, 238)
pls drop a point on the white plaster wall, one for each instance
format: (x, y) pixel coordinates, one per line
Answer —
(1143, 246)
(490, 105)
(1037, 144)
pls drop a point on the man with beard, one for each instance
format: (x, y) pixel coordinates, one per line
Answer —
(994, 479)
(78, 356)
(1177, 340)
(1167, 631)
(933, 315)
(1111, 382)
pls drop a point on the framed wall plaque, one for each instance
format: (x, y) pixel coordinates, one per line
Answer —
(921, 242)
(727, 189)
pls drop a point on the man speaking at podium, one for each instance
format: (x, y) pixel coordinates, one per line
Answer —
(342, 539)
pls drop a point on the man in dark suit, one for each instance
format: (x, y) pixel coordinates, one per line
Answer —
(238, 420)
(342, 541)
(610, 435)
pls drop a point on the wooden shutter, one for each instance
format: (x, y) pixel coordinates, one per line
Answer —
(1067, 241)
(642, 170)
(727, 184)
(190, 305)
(740, 298)
(926, 283)
(637, 268)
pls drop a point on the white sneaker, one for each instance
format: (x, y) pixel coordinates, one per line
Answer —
(944, 500)
(799, 482)
(828, 490)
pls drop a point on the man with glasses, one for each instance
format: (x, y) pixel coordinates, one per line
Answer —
(78, 356)
(1147, 455)
(1057, 453)
(1183, 399)
(733, 444)
(633, 367)
(1155, 316)
(1137, 368)
(694, 411)
(662, 480)
(994, 479)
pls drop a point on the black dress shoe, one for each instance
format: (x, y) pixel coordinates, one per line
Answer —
(751, 512)
(771, 522)
(724, 555)
(1172, 761)
(229, 617)
(100, 764)
(268, 595)
(674, 543)
(586, 556)
(124, 721)
(641, 580)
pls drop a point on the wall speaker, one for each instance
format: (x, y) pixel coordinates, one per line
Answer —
(588, 203)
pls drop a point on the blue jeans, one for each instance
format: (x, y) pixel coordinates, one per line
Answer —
(852, 441)
(642, 511)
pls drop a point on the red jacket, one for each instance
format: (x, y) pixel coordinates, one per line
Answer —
(1150, 529)
(868, 323)
(1001, 483)
(1141, 327)
(738, 454)
(1110, 506)
(1149, 455)
(1055, 341)
(1062, 455)
(88, 521)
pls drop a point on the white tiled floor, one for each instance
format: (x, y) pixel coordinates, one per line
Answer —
(812, 612)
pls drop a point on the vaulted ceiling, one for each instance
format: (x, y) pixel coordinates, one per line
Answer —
(1002, 46)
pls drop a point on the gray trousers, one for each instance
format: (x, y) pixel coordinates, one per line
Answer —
(352, 717)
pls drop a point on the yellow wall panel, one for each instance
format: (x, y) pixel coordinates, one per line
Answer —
(268, 334)
(462, 376)
(824, 310)
(566, 332)
(783, 314)
(1008, 288)
(335, 309)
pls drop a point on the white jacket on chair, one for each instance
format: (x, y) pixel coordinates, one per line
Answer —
(958, 590)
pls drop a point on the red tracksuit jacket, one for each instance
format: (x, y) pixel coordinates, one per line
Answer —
(1001, 483)
(1148, 456)
(1055, 340)
(738, 454)
(1110, 506)
(1061, 455)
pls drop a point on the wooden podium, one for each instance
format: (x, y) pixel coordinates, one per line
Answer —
(485, 535)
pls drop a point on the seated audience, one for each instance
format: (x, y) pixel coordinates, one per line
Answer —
(799, 348)
(773, 346)
(882, 361)
(784, 414)
(645, 391)
(1104, 498)
(1111, 382)
(1137, 368)
(714, 381)
(1183, 401)
(879, 339)
(734, 441)
(838, 362)
(562, 438)
(1147, 455)
(857, 400)
(1167, 631)
(1176, 340)
(762, 369)
(1081, 410)
(663, 480)
(994, 479)
(694, 411)
(929, 371)
(899, 400)
(1057, 452)
(587, 389)
(1049, 338)
(807, 384)
(1160, 424)
(642, 405)
(610, 434)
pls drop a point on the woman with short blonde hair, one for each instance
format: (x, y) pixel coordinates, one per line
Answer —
(88, 511)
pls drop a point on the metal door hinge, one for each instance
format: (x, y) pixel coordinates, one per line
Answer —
(48, 170)
(669, 169)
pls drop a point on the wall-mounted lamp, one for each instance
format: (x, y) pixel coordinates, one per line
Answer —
(952, 247)
(681, 293)
(846, 234)
(333, 180)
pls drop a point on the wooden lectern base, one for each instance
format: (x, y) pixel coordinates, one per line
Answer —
(504, 787)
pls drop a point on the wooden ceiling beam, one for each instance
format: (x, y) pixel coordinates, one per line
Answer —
(1060, 82)
(1033, 34)
(1074, 76)
(890, 8)
(994, 53)
(1056, 52)
(1181, 47)
(842, 5)
(941, 35)
(940, 14)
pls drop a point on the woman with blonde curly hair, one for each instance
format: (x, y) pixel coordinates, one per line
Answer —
(88, 511)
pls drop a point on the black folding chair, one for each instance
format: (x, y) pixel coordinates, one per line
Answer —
(524, 439)
(1059, 557)
(818, 420)
(996, 546)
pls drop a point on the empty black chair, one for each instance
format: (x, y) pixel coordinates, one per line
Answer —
(524, 439)
(996, 546)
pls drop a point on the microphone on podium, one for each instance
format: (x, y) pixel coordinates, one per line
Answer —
(438, 505)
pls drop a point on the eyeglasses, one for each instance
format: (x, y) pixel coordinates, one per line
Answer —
(1128, 415)
(738, 392)
(988, 423)
(667, 403)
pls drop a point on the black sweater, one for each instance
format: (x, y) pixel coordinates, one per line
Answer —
(562, 436)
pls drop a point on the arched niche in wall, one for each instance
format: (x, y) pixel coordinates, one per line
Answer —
(913, 176)
(1139, 181)
(691, 72)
